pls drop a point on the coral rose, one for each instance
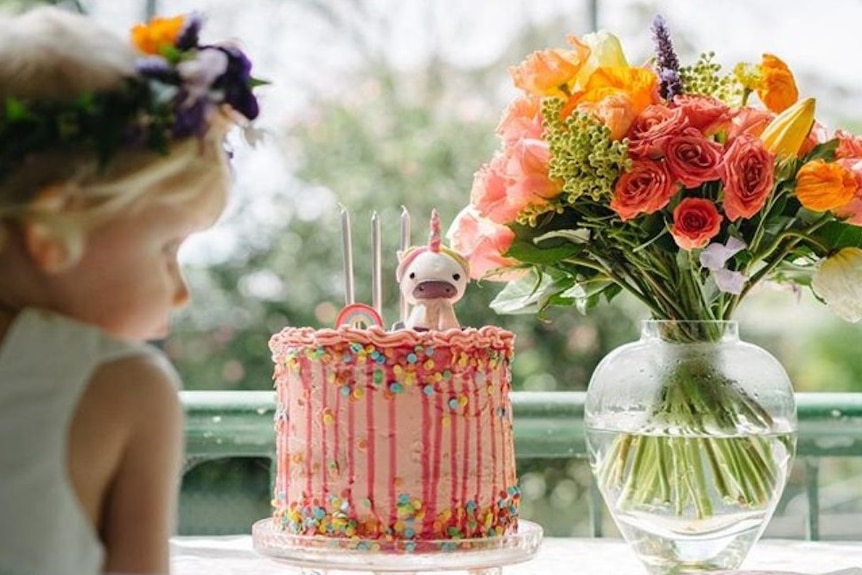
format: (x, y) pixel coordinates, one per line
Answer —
(749, 121)
(652, 128)
(692, 158)
(747, 176)
(695, 222)
(646, 188)
(823, 186)
(777, 88)
(483, 243)
(707, 114)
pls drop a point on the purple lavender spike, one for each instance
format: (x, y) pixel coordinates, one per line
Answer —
(667, 62)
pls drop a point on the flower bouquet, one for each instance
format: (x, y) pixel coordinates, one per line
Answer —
(685, 186)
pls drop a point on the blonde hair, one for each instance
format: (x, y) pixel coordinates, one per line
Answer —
(48, 53)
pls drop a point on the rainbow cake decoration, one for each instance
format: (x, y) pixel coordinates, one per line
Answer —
(402, 433)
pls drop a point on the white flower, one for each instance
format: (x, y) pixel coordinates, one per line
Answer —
(200, 73)
(838, 281)
(714, 257)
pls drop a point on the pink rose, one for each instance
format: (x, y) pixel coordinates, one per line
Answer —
(747, 175)
(692, 158)
(515, 178)
(816, 135)
(695, 222)
(646, 188)
(849, 145)
(522, 119)
(652, 128)
(709, 115)
(527, 171)
(483, 243)
(853, 210)
(490, 192)
(749, 121)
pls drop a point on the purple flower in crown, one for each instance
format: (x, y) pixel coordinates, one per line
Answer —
(189, 36)
(157, 68)
(667, 63)
(237, 83)
(192, 120)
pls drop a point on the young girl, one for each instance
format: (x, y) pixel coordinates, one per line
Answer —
(111, 155)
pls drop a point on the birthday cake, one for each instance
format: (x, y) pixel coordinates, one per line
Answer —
(401, 434)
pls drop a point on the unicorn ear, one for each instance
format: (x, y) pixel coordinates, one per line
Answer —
(402, 263)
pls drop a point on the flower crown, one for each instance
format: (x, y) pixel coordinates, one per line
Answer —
(178, 87)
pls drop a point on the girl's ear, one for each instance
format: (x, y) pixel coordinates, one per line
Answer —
(46, 250)
(43, 245)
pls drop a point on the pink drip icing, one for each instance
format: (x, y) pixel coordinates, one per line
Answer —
(453, 449)
(393, 457)
(479, 462)
(336, 432)
(437, 422)
(351, 446)
(324, 460)
(493, 417)
(428, 521)
(465, 473)
(372, 440)
(305, 366)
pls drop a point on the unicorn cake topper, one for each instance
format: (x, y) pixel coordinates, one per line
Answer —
(432, 278)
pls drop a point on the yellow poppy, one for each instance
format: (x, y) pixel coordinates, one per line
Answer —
(777, 88)
(822, 186)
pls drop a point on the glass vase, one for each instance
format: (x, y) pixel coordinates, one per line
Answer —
(691, 433)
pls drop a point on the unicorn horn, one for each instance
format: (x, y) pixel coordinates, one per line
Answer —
(434, 240)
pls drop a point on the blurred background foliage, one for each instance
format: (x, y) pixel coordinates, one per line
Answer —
(358, 127)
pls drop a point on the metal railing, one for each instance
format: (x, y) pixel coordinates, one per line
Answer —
(231, 424)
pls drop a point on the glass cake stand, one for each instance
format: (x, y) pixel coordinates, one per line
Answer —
(332, 556)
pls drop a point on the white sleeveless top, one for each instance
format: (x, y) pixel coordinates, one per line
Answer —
(46, 362)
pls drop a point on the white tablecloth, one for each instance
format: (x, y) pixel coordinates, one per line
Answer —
(235, 555)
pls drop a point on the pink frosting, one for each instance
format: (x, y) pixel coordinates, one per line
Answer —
(401, 434)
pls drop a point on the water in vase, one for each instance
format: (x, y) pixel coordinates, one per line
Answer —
(690, 503)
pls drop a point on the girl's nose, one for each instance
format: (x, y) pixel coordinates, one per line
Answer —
(181, 293)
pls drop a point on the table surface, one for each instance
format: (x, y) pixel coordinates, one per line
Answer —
(235, 555)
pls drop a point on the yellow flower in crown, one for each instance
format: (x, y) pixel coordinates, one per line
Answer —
(159, 36)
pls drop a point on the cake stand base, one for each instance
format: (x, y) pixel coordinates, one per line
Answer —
(332, 556)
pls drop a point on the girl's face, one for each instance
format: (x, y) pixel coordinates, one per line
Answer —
(128, 280)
